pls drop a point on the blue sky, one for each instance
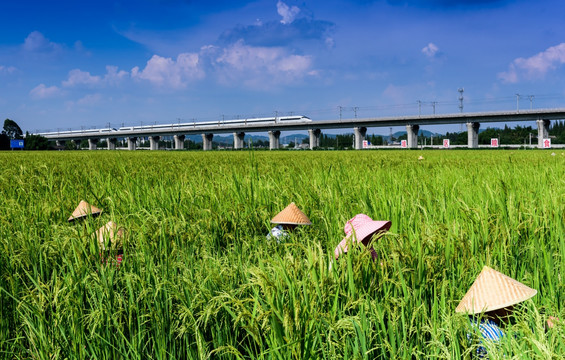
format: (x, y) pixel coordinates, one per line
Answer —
(73, 64)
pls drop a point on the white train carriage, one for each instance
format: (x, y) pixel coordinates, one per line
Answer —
(245, 121)
(78, 132)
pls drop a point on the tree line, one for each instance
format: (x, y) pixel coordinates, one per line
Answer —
(12, 131)
(506, 136)
(519, 135)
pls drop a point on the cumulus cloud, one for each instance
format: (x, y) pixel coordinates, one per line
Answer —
(287, 13)
(113, 76)
(43, 92)
(36, 42)
(78, 77)
(430, 50)
(535, 66)
(166, 72)
(262, 67)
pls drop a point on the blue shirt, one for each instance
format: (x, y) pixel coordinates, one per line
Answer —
(277, 233)
(489, 332)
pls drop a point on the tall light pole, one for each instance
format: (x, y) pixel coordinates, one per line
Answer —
(461, 91)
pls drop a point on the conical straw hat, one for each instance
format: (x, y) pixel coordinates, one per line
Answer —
(493, 290)
(362, 228)
(84, 209)
(291, 215)
(109, 236)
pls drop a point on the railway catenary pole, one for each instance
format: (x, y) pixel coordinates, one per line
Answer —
(133, 133)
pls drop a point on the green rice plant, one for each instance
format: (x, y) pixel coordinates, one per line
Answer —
(199, 279)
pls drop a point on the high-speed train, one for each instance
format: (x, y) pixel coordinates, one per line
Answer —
(298, 119)
(73, 132)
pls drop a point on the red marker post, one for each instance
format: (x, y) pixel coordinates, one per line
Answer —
(403, 143)
(494, 143)
(546, 143)
(446, 143)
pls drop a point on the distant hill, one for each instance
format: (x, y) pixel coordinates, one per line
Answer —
(228, 139)
(425, 133)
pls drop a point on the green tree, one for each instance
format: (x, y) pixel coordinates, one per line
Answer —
(4, 142)
(70, 145)
(486, 135)
(12, 129)
(36, 142)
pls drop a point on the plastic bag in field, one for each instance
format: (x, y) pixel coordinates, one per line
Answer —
(277, 233)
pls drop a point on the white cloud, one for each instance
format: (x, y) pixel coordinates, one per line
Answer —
(430, 50)
(262, 67)
(166, 72)
(536, 66)
(288, 13)
(43, 92)
(7, 69)
(36, 42)
(78, 77)
(113, 76)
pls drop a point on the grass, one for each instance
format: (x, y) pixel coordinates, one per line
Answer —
(199, 280)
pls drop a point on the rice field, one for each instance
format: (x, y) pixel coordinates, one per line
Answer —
(199, 280)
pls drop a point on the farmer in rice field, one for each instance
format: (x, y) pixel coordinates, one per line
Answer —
(489, 303)
(361, 229)
(84, 210)
(287, 220)
(110, 238)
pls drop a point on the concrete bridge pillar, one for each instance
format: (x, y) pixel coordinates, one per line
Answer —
(314, 137)
(132, 143)
(359, 137)
(111, 143)
(238, 140)
(543, 131)
(76, 143)
(207, 141)
(274, 137)
(60, 143)
(154, 143)
(92, 144)
(179, 142)
(473, 135)
(412, 132)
